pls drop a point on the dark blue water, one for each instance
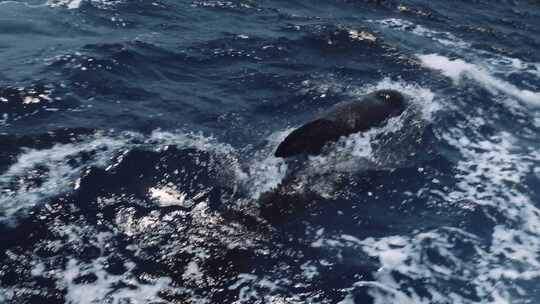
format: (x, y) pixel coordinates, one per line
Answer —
(137, 140)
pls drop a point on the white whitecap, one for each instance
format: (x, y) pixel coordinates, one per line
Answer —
(457, 69)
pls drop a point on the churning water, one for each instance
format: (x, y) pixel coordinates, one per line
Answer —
(137, 139)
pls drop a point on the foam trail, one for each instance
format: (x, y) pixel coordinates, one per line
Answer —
(487, 164)
(496, 272)
(457, 69)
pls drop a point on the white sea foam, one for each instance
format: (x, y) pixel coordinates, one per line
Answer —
(161, 139)
(261, 172)
(75, 4)
(309, 271)
(192, 272)
(253, 288)
(6, 294)
(70, 4)
(508, 65)
(107, 287)
(485, 65)
(444, 38)
(15, 2)
(53, 171)
(457, 69)
(198, 141)
(167, 196)
(482, 66)
(40, 174)
(103, 288)
(205, 226)
(490, 173)
(264, 174)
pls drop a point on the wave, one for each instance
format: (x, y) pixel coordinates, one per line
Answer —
(457, 69)
(484, 67)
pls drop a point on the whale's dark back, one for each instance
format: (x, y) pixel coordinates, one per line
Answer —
(310, 138)
(342, 120)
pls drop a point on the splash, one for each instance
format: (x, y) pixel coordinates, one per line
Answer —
(374, 149)
(358, 151)
(265, 172)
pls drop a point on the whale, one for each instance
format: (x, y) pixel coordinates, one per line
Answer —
(345, 118)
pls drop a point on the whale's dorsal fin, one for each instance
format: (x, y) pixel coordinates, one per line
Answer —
(310, 138)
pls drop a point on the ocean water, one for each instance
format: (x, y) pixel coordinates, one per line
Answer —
(137, 140)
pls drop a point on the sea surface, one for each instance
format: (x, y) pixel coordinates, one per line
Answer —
(137, 140)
